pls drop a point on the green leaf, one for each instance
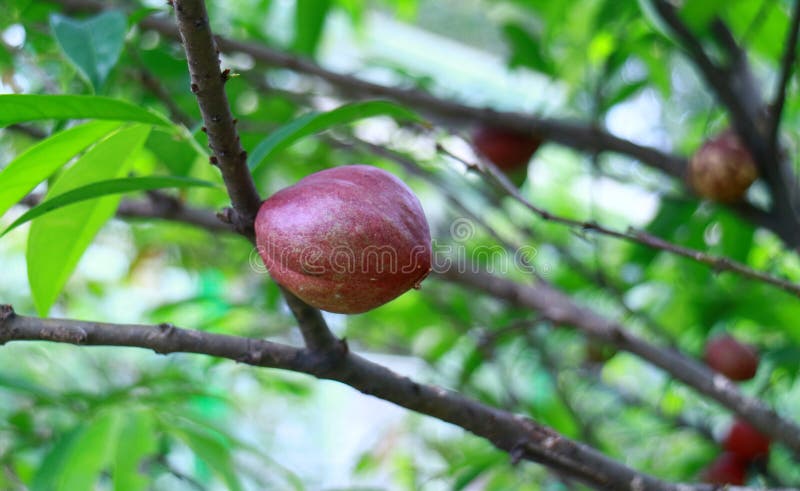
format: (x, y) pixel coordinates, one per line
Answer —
(40, 161)
(140, 14)
(137, 440)
(177, 153)
(312, 123)
(105, 188)
(309, 21)
(624, 92)
(47, 476)
(17, 108)
(214, 451)
(92, 45)
(526, 50)
(57, 241)
(90, 453)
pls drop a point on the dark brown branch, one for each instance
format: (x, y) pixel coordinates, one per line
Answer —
(562, 310)
(166, 207)
(787, 65)
(316, 334)
(208, 85)
(521, 437)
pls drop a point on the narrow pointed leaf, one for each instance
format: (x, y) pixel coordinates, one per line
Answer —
(41, 160)
(313, 123)
(18, 108)
(105, 188)
(57, 241)
(137, 441)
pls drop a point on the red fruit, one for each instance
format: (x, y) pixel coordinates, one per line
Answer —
(722, 169)
(745, 441)
(346, 239)
(731, 358)
(508, 150)
(727, 468)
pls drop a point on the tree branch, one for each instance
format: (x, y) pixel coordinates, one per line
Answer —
(208, 85)
(561, 309)
(522, 437)
(787, 64)
(718, 263)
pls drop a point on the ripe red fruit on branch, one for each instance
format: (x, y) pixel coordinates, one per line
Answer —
(731, 358)
(346, 239)
(746, 442)
(722, 169)
(508, 150)
(727, 468)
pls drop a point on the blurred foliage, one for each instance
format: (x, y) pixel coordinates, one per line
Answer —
(121, 419)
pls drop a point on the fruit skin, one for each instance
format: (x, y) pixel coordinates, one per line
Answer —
(727, 468)
(508, 150)
(722, 169)
(746, 442)
(731, 358)
(346, 239)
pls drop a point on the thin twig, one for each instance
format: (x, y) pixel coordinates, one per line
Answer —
(718, 263)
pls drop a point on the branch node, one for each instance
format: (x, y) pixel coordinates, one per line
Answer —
(518, 452)
(6, 312)
(167, 329)
(194, 88)
(226, 215)
(213, 160)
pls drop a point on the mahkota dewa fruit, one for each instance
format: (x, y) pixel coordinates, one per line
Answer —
(745, 441)
(731, 358)
(722, 169)
(727, 468)
(346, 239)
(507, 149)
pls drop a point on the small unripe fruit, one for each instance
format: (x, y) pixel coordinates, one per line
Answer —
(731, 358)
(746, 442)
(508, 150)
(346, 239)
(727, 468)
(722, 169)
